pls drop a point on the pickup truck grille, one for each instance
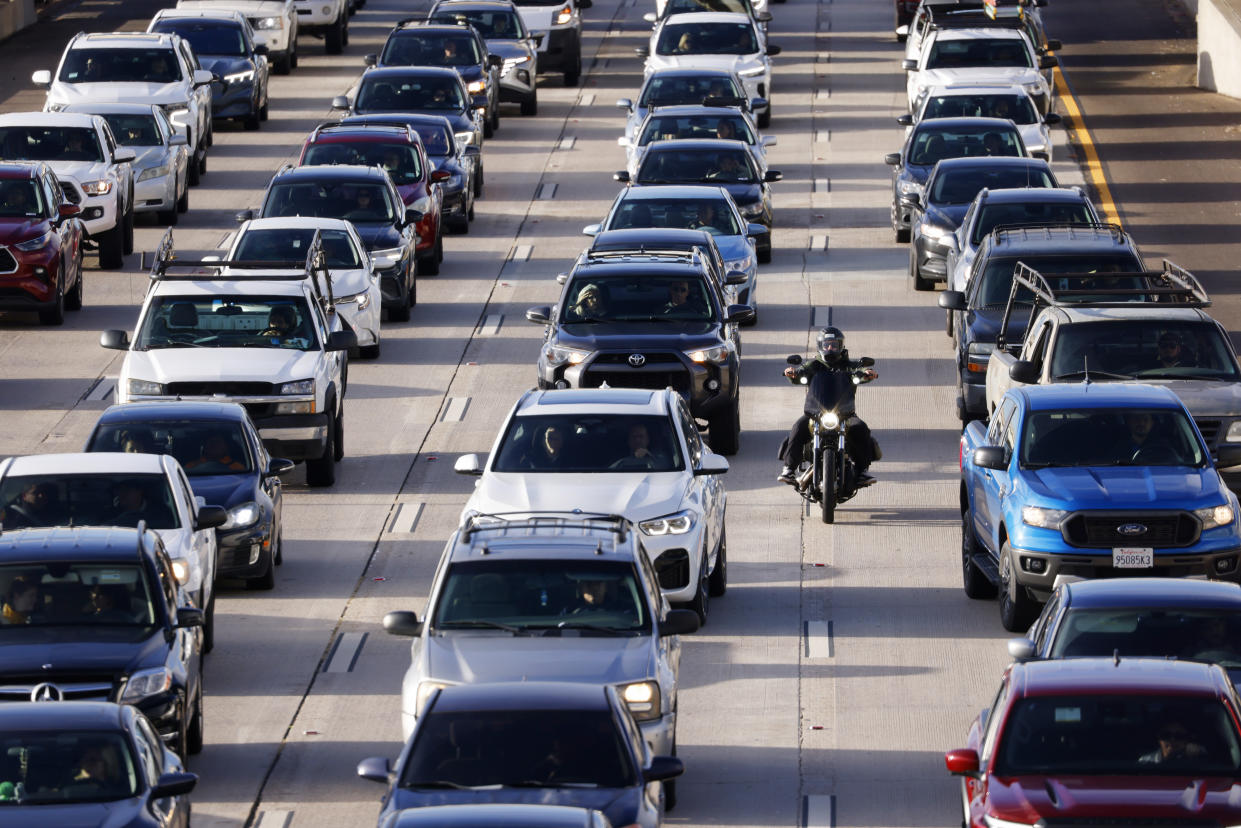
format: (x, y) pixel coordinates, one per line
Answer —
(1210, 431)
(70, 686)
(226, 389)
(1103, 530)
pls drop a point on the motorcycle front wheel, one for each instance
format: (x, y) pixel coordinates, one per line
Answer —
(827, 483)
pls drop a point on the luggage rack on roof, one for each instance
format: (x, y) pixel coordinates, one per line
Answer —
(1173, 285)
(971, 16)
(504, 521)
(1001, 230)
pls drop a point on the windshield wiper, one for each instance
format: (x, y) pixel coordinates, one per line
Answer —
(570, 625)
(1092, 373)
(438, 783)
(483, 625)
(534, 783)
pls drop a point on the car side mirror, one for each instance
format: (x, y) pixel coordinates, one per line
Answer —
(591, 230)
(962, 762)
(753, 229)
(772, 176)
(902, 31)
(1021, 649)
(402, 622)
(260, 49)
(202, 77)
(1052, 118)
(68, 210)
(764, 17)
(642, 51)
(679, 622)
(735, 277)
(561, 278)
(1023, 372)
(892, 159)
(340, 102)
(768, 141)
(1053, 45)
(649, 17)
(906, 120)
(990, 457)
(472, 151)
(541, 315)
(757, 103)
(495, 61)
(624, 103)
(210, 517)
(663, 768)
(41, 78)
(740, 314)
(278, 466)
(622, 141)
(242, 216)
(413, 216)
(376, 769)
(173, 784)
(711, 464)
(1229, 456)
(188, 617)
(439, 176)
(952, 300)
(178, 139)
(911, 200)
(773, 50)
(1048, 62)
(123, 154)
(113, 339)
(468, 464)
(621, 175)
(341, 341)
(909, 65)
(370, 60)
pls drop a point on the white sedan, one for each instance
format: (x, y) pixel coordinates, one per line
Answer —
(999, 100)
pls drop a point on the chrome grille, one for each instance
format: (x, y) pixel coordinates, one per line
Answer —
(77, 688)
(1210, 431)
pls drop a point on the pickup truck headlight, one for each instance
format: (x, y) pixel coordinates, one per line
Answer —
(97, 188)
(240, 77)
(556, 355)
(717, 355)
(829, 419)
(1213, 517)
(146, 683)
(36, 244)
(564, 15)
(476, 87)
(677, 524)
(744, 264)
(512, 63)
(978, 354)
(153, 172)
(239, 517)
(425, 690)
(1042, 518)
(264, 23)
(299, 387)
(1233, 435)
(145, 388)
(643, 700)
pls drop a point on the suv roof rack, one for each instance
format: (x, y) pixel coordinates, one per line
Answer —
(1173, 285)
(500, 521)
(972, 16)
(693, 254)
(1000, 231)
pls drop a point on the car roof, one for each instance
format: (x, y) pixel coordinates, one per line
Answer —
(986, 33)
(19, 169)
(649, 239)
(335, 172)
(294, 223)
(574, 401)
(1139, 310)
(59, 716)
(220, 15)
(493, 815)
(247, 286)
(1064, 240)
(655, 191)
(689, 72)
(521, 695)
(70, 543)
(683, 18)
(61, 119)
(993, 162)
(122, 40)
(947, 89)
(693, 110)
(397, 118)
(541, 537)
(410, 71)
(1042, 195)
(1098, 395)
(1152, 593)
(138, 412)
(1144, 676)
(698, 144)
(77, 463)
(591, 268)
(364, 133)
(470, 5)
(423, 26)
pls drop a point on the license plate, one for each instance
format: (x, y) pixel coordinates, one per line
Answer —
(1133, 557)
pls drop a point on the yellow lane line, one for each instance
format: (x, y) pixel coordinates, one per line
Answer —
(1080, 135)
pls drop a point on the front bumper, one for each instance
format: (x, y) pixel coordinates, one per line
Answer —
(517, 83)
(313, 15)
(1097, 563)
(245, 552)
(363, 322)
(932, 257)
(391, 284)
(235, 101)
(99, 213)
(676, 559)
(159, 193)
(165, 711)
(32, 286)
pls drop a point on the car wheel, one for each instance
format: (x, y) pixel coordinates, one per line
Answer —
(718, 583)
(902, 235)
(670, 787)
(530, 106)
(916, 272)
(209, 625)
(127, 237)
(977, 585)
(73, 299)
(574, 75)
(195, 732)
(1017, 609)
(430, 263)
(495, 116)
(285, 65)
(251, 122)
(183, 203)
(168, 217)
(489, 127)
(334, 38)
(344, 35)
(948, 323)
(279, 556)
(339, 453)
(459, 224)
(701, 602)
(322, 470)
(55, 315)
(111, 249)
(764, 254)
(182, 739)
(267, 580)
(202, 164)
(478, 182)
(210, 132)
(725, 430)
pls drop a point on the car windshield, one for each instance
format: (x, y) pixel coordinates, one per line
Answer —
(1145, 348)
(546, 748)
(118, 499)
(358, 201)
(207, 37)
(134, 130)
(707, 39)
(288, 244)
(75, 594)
(1110, 437)
(730, 125)
(933, 143)
(436, 140)
(400, 161)
(991, 216)
(712, 214)
(157, 65)
(407, 49)
(392, 94)
(972, 53)
(223, 321)
(594, 443)
(697, 166)
(1145, 734)
(553, 596)
(66, 767)
(1166, 632)
(637, 298)
(492, 25)
(997, 276)
(960, 186)
(203, 447)
(49, 143)
(20, 198)
(682, 90)
(1016, 108)
(688, 6)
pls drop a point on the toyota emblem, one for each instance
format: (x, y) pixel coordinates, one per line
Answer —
(46, 692)
(637, 360)
(1130, 530)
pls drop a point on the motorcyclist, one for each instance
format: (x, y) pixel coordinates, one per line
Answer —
(830, 379)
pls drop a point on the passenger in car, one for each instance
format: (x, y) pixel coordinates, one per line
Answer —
(1175, 745)
(37, 505)
(21, 600)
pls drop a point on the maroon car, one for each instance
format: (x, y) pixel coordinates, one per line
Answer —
(40, 243)
(1104, 741)
(398, 150)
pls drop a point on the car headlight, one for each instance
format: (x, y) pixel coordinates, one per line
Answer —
(153, 172)
(643, 700)
(268, 23)
(464, 138)
(146, 683)
(1214, 516)
(362, 299)
(239, 517)
(422, 205)
(387, 259)
(476, 87)
(181, 570)
(240, 77)
(752, 210)
(564, 15)
(829, 420)
(752, 72)
(1233, 435)
(1042, 518)
(744, 263)
(145, 388)
(36, 244)
(304, 387)
(718, 355)
(677, 524)
(981, 348)
(906, 186)
(426, 689)
(935, 232)
(556, 355)
(513, 63)
(178, 113)
(97, 188)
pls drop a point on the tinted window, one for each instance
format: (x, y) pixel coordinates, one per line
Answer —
(975, 52)
(134, 130)
(1016, 108)
(637, 299)
(1145, 348)
(961, 186)
(697, 166)
(431, 50)
(436, 140)
(389, 94)
(400, 161)
(75, 594)
(21, 198)
(707, 39)
(728, 125)
(991, 216)
(680, 90)
(712, 214)
(934, 143)
(1195, 635)
(1109, 437)
(120, 66)
(684, 6)
(227, 322)
(66, 767)
(492, 25)
(34, 143)
(357, 201)
(997, 275)
(207, 38)
(202, 447)
(291, 245)
(88, 500)
(589, 443)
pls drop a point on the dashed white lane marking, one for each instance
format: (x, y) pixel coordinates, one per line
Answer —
(406, 518)
(103, 389)
(822, 136)
(821, 185)
(567, 142)
(822, 316)
(273, 819)
(818, 241)
(587, 100)
(819, 811)
(818, 639)
(547, 191)
(454, 412)
(491, 324)
(823, 96)
(345, 654)
(521, 253)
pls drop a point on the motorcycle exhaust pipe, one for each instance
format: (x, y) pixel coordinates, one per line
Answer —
(803, 480)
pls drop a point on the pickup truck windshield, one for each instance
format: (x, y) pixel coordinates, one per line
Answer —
(1144, 348)
(1109, 437)
(997, 276)
(227, 322)
(76, 594)
(675, 298)
(595, 443)
(118, 499)
(1119, 735)
(1193, 634)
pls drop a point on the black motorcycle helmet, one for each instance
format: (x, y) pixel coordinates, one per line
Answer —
(831, 344)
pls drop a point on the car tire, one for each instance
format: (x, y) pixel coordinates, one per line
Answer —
(701, 602)
(266, 581)
(202, 164)
(334, 38)
(344, 35)
(209, 625)
(902, 235)
(479, 183)
(292, 52)
(764, 120)
(670, 786)
(948, 323)
(111, 249)
(459, 224)
(252, 121)
(400, 312)
(73, 299)
(55, 315)
(764, 254)
(573, 76)
(285, 65)
(717, 585)
(495, 116)
(210, 133)
(530, 106)
(920, 283)
(977, 585)
(1017, 609)
(127, 236)
(195, 732)
(339, 454)
(168, 217)
(181, 741)
(278, 557)
(183, 203)
(430, 263)
(321, 471)
(725, 430)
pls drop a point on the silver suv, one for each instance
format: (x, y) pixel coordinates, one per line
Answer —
(549, 597)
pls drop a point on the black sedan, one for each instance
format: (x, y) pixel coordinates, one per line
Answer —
(88, 763)
(221, 451)
(427, 90)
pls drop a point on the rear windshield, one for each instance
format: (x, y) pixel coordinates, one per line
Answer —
(431, 50)
(970, 53)
(669, 165)
(118, 499)
(934, 143)
(49, 143)
(997, 275)
(961, 186)
(400, 161)
(991, 216)
(157, 65)
(207, 37)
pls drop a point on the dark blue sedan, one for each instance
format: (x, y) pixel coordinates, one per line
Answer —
(88, 763)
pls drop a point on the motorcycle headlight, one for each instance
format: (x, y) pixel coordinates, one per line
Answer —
(146, 683)
(153, 172)
(239, 517)
(564, 15)
(240, 77)
(556, 355)
(464, 138)
(426, 689)
(145, 388)
(677, 524)
(36, 244)
(718, 355)
(829, 420)
(1042, 518)
(304, 387)
(268, 23)
(477, 87)
(97, 188)
(643, 699)
(740, 264)
(1214, 516)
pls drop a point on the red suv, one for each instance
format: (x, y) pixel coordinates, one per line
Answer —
(40, 243)
(1104, 741)
(397, 150)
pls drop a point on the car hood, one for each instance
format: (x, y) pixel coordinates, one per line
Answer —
(1168, 487)
(149, 157)
(1030, 799)
(227, 490)
(349, 282)
(225, 65)
(636, 496)
(26, 651)
(378, 235)
(967, 75)
(640, 336)
(729, 63)
(13, 230)
(947, 215)
(732, 247)
(1205, 398)
(129, 92)
(1032, 136)
(538, 18)
(477, 658)
(508, 48)
(231, 364)
(620, 804)
(79, 171)
(119, 814)
(984, 324)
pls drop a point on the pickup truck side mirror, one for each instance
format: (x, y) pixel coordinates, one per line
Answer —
(990, 457)
(1023, 372)
(952, 300)
(911, 200)
(114, 340)
(909, 65)
(341, 341)
(41, 78)
(541, 315)
(402, 622)
(1229, 456)
(649, 17)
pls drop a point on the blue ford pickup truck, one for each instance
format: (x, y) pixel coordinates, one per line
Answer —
(1090, 481)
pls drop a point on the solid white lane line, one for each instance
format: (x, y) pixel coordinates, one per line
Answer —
(818, 639)
(103, 389)
(406, 518)
(345, 654)
(587, 100)
(521, 253)
(273, 819)
(491, 324)
(819, 811)
(454, 412)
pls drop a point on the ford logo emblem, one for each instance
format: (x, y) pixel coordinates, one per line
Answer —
(637, 360)
(1131, 529)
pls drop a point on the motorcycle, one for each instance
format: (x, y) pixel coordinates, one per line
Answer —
(827, 475)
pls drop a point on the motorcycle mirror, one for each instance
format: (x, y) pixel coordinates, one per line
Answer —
(794, 359)
(866, 362)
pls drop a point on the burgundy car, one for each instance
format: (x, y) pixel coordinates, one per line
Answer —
(398, 150)
(40, 243)
(1104, 741)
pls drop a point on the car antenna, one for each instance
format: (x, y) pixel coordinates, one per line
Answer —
(1085, 370)
(1116, 657)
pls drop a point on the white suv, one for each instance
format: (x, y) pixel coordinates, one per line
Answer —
(956, 57)
(137, 67)
(94, 172)
(622, 451)
(274, 23)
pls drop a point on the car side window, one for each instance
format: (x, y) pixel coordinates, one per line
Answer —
(1038, 345)
(167, 581)
(1047, 619)
(653, 594)
(51, 193)
(998, 420)
(1010, 435)
(151, 749)
(188, 493)
(693, 440)
(992, 727)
